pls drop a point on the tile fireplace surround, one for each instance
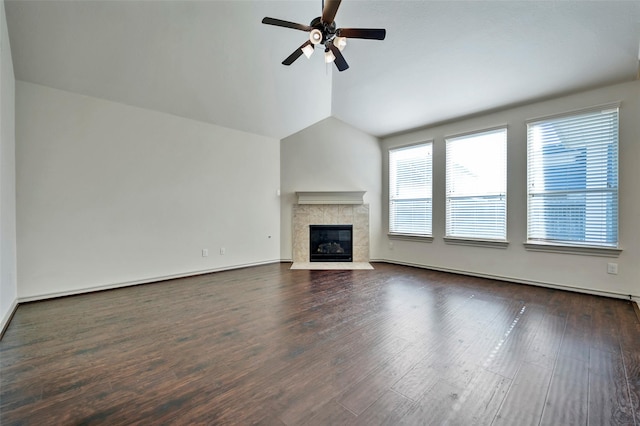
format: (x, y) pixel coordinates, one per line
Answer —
(330, 214)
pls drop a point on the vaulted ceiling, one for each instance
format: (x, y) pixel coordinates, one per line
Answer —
(213, 61)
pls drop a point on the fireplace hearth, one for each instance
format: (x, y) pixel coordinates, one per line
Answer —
(331, 243)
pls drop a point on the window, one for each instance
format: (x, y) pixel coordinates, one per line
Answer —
(410, 198)
(573, 179)
(477, 185)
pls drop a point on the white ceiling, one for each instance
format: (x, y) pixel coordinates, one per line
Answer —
(213, 61)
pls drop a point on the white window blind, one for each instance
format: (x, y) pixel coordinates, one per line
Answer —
(477, 185)
(573, 179)
(410, 196)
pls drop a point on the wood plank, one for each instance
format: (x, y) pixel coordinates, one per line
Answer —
(446, 356)
(359, 396)
(630, 350)
(605, 325)
(631, 359)
(544, 347)
(480, 401)
(526, 397)
(331, 413)
(510, 351)
(627, 312)
(568, 395)
(443, 354)
(389, 409)
(435, 407)
(577, 337)
(609, 401)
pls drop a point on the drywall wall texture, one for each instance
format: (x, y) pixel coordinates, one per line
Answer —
(8, 285)
(329, 156)
(587, 273)
(110, 194)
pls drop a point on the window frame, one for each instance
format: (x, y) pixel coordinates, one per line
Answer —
(476, 240)
(568, 247)
(426, 237)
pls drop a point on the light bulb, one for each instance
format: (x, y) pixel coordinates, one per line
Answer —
(315, 36)
(329, 56)
(340, 42)
(308, 50)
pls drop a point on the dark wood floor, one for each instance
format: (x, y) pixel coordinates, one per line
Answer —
(267, 345)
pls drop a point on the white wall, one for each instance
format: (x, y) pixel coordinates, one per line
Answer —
(588, 273)
(109, 194)
(8, 285)
(330, 156)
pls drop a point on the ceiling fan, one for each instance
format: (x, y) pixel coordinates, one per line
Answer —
(322, 31)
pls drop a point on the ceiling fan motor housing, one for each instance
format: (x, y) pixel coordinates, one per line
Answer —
(328, 30)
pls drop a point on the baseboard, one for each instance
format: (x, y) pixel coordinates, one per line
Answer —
(8, 316)
(555, 286)
(138, 282)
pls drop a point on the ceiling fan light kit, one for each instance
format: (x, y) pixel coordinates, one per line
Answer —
(307, 50)
(329, 56)
(322, 30)
(340, 42)
(315, 36)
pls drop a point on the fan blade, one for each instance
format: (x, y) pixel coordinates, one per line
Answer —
(329, 11)
(296, 54)
(286, 24)
(340, 62)
(367, 33)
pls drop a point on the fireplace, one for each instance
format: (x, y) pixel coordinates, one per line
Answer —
(305, 215)
(331, 243)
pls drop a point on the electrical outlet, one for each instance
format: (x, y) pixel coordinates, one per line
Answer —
(223, 250)
(612, 268)
(205, 252)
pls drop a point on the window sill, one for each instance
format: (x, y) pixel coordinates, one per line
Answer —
(502, 244)
(411, 237)
(572, 249)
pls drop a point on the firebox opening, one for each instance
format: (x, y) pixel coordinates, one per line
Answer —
(331, 243)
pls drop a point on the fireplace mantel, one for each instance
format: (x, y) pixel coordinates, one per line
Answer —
(331, 197)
